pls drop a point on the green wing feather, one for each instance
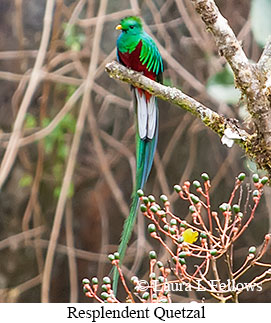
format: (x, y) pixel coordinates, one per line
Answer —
(150, 55)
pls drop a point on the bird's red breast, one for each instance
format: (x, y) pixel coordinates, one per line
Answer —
(132, 61)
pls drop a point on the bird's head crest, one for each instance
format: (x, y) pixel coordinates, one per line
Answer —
(131, 24)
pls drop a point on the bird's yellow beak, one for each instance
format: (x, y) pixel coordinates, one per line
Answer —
(119, 27)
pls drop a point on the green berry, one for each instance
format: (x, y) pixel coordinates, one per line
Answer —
(205, 177)
(104, 288)
(151, 228)
(194, 198)
(151, 198)
(177, 188)
(241, 176)
(203, 235)
(104, 295)
(255, 193)
(85, 281)
(182, 261)
(183, 224)
(196, 184)
(172, 231)
(236, 208)
(213, 252)
(255, 178)
(192, 209)
(182, 254)
(152, 276)
(111, 257)
(145, 200)
(174, 260)
(173, 222)
(140, 193)
(264, 180)
(154, 296)
(153, 208)
(161, 279)
(252, 250)
(85, 290)
(165, 294)
(143, 208)
(180, 239)
(163, 198)
(106, 280)
(166, 227)
(134, 279)
(240, 214)
(159, 264)
(152, 254)
(116, 255)
(163, 214)
(145, 295)
(223, 207)
(94, 281)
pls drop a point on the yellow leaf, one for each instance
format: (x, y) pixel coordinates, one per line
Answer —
(190, 236)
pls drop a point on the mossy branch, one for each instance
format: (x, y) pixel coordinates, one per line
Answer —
(253, 80)
(216, 122)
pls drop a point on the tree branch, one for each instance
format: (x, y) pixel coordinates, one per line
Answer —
(210, 118)
(265, 59)
(213, 120)
(252, 79)
(226, 42)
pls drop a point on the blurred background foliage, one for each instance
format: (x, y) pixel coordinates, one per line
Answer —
(99, 194)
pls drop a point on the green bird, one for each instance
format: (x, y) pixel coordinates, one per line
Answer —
(138, 51)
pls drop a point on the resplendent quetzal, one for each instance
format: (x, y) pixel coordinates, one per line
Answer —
(137, 50)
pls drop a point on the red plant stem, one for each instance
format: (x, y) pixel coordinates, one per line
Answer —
(206, 186)
(192, 227)
(93, 294)
(201, 266)
(256, 279)
(257, 200)
(155, 236)
(237, 185)
(264, 248)
(152, 264)
(227, 213)
(262, 264)
(151, 217)
(218, 223)
(124, 283)
(227, 217)
(198, 213)
(232, 233)
(242, 267)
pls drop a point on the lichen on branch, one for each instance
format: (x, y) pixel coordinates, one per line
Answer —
(173, 95)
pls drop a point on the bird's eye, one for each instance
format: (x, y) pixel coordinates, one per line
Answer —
(131, 27)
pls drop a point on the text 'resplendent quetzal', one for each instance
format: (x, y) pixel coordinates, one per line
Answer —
(137, 50)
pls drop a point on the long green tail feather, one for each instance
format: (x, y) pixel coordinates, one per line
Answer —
(145, 150)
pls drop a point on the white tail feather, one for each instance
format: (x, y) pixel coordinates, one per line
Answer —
(146, 116)
(151, 107)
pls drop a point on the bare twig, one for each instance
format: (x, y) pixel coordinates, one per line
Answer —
(72, 157)
(71, 254)
(35, 78)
